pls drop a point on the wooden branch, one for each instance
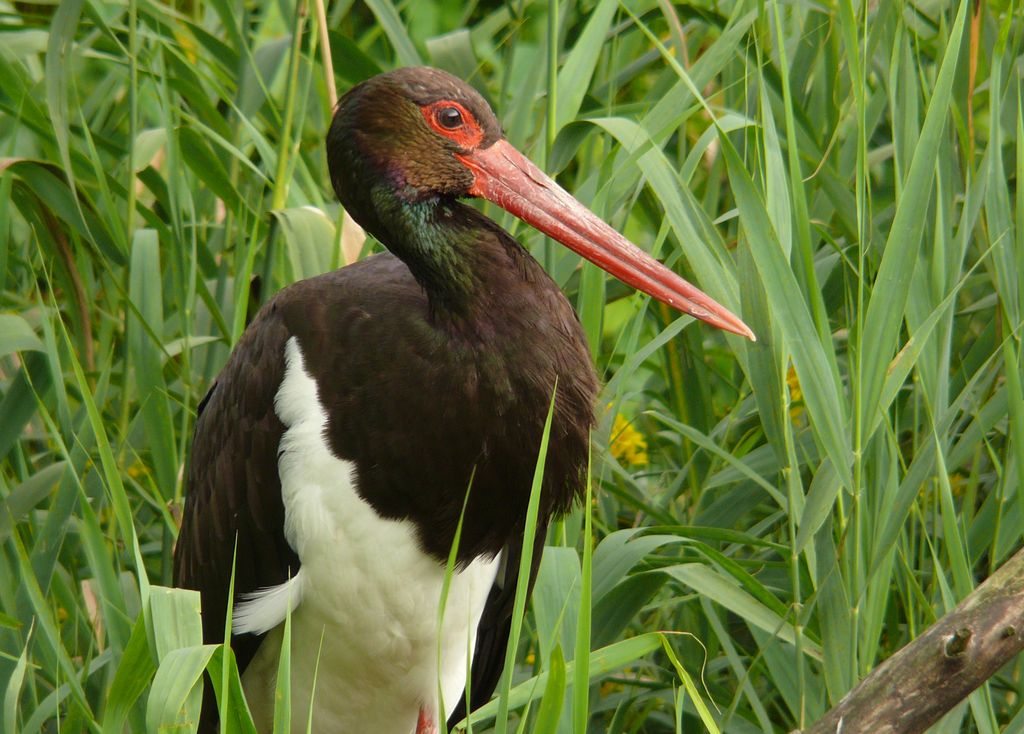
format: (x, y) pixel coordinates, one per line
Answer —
(913, 689)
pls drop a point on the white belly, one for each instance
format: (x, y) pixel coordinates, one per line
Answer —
(365, 628)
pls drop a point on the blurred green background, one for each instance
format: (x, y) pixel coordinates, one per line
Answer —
(770, 520)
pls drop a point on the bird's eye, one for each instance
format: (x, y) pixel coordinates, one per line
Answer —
(449, 118)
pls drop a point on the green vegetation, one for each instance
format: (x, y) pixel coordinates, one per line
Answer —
(786, 514)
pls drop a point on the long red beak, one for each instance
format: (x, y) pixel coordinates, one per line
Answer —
(509, 179)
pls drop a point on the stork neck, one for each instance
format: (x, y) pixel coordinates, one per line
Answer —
(449, 247)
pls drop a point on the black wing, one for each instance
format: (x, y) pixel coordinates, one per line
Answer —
(234, 494)
(234, 491)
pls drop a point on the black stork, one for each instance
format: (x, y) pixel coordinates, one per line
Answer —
(336, 446)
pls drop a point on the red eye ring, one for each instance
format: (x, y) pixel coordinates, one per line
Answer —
(452, 120)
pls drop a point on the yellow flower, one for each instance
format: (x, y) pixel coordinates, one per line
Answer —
(609, 687)
(187, 43)
(628, 444)
(137, 470)
(796, 396)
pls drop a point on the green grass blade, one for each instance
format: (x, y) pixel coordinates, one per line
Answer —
(525, 565)
(13, 691)
(145, 343)
(391, 23)
(575, 75)
(551, 703)
(888, 294)
(134, 673)
(581, 655)
(602, 661)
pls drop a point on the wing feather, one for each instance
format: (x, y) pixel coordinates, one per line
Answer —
(234, 494)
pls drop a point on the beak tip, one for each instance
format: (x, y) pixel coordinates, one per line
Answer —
(740, 329)
(720, 317)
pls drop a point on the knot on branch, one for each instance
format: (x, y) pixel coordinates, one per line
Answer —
(956, 643)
